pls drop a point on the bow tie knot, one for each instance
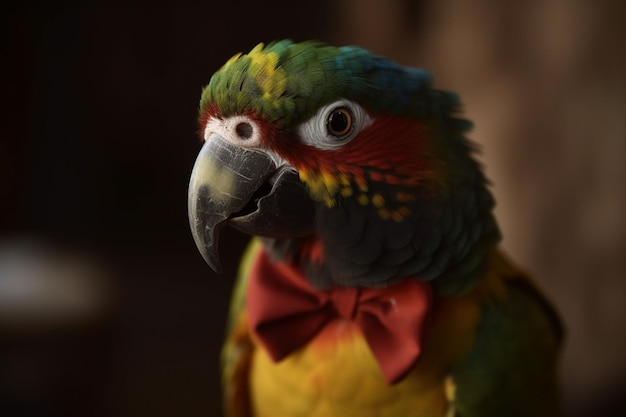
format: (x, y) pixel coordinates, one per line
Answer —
(345, 301)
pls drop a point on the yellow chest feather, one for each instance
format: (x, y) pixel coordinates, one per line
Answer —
(337, 375)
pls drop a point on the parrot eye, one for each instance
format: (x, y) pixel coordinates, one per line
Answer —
(244, 130)
(239, 130)
(339, 122)
(334, 125)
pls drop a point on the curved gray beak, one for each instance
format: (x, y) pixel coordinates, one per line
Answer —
(246, 188)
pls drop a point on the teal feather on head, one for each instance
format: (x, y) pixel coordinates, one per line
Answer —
(285, 82)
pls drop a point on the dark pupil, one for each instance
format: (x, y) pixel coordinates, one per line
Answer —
(244, 130)
(339, 123)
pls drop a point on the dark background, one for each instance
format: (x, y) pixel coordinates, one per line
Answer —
(106, 307)
(99, 135)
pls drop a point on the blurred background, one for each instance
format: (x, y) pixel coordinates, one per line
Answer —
(107, 309)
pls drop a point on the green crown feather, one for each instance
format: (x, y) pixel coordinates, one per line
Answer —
(285, 82)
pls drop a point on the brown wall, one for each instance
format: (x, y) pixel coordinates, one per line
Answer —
(545, 84)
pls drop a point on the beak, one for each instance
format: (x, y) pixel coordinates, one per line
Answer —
(248, 189)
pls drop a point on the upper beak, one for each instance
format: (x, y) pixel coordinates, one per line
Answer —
(246, 188)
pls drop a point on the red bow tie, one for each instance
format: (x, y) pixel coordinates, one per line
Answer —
(285, 312)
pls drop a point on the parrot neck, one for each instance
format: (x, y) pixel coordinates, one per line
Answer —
(444, 246)
(444, 236)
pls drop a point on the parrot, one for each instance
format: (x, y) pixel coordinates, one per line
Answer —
(374, 283)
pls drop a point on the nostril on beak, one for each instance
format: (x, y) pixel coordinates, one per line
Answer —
(244, 130)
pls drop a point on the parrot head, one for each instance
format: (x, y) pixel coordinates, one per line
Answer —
(350, 165)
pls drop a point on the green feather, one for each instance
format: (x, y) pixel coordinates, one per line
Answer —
(286, 82)
(512, 363)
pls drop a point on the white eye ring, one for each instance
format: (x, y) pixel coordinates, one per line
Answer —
(334, 125)
(238, 130)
